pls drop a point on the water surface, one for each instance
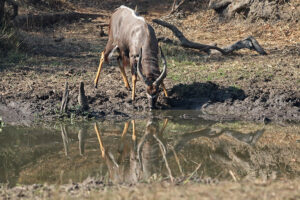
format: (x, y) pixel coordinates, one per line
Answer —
(179, 146)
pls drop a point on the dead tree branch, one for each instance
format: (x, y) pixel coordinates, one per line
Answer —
(176, 6)
(183, 41)
(249, 43)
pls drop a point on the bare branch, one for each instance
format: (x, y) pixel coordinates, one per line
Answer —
(176, 6)
(249, 42)
(185, 42)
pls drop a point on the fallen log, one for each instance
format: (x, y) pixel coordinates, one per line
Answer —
(249, 42)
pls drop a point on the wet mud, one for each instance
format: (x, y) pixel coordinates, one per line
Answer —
(113, 100)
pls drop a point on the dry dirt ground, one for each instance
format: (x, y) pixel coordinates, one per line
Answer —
(243, 85)
(92, 189)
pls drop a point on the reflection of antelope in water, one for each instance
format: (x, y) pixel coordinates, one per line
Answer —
(233, 151)
(138, 159)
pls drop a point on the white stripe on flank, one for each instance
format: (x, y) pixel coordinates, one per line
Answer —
(112, 52)
(133, 13)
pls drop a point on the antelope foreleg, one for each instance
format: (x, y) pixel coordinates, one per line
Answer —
(99, 69)
(134, 78)
(99, 140)
(164, 89)
(133, 130)
(126, 125)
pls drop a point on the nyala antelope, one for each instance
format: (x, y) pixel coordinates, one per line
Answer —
(136, 42)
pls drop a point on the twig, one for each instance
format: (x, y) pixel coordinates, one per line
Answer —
(233, 176)
(188, 179)
(65, 138)
(65, 99)
(175, 6)
(81, 139)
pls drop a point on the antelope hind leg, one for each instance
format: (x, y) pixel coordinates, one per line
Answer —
(123, 73)
(99, 69)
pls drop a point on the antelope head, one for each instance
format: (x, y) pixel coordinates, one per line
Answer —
(152, 87)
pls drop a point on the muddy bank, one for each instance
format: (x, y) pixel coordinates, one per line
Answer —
(112, 100)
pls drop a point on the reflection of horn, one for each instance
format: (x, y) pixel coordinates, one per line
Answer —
(177, 160)
(99, 140)
(163, 153)
(65, 138)
(164, 72)
(249, 138)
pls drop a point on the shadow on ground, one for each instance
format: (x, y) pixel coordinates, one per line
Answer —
(195, 95)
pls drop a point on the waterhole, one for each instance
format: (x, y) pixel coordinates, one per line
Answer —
(178, 146)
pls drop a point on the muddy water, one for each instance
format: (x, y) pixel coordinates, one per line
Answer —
(179, 147)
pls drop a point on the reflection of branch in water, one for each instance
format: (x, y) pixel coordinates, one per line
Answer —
(224, 153)
(81, 139)
(65, 138)
(192, 174)
(249, 138)
(186, 137)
